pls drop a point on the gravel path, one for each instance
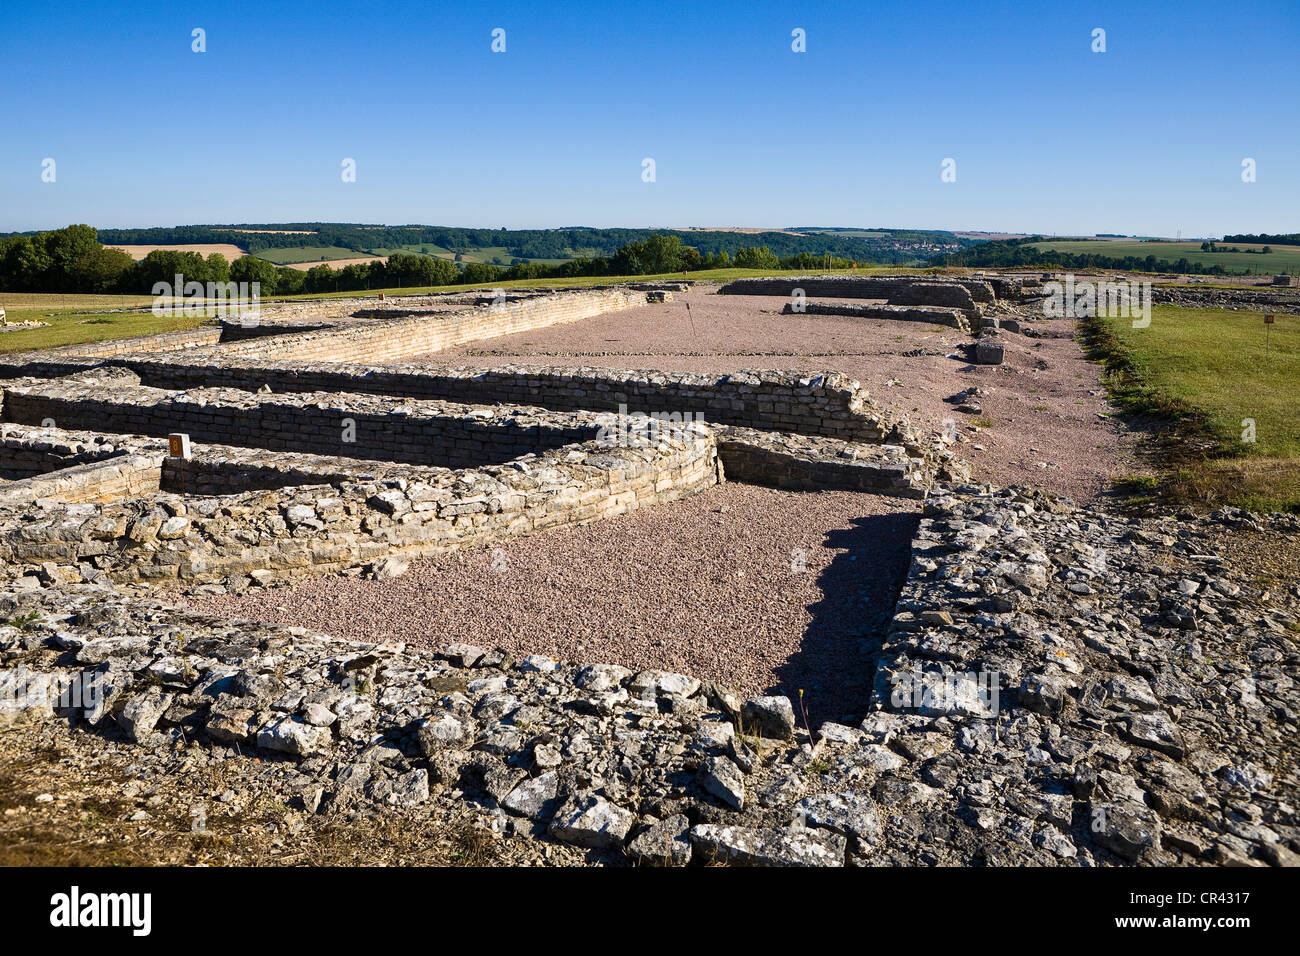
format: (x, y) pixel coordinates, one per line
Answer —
(706, 586)
(1042, 406)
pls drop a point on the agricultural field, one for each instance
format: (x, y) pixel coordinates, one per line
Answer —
(335, 263)
(1207, 370)
(494, 255)
(227, 249)
(313, 255)
(1279, 259)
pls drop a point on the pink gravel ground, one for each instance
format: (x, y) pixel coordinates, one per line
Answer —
(711, 586)
(1042, 407)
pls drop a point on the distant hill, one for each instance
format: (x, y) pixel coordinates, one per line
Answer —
(286, 243)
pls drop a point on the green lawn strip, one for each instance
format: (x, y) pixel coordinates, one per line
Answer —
(1199, 375)
(78, 328)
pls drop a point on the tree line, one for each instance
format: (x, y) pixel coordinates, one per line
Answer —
(885, 246)
(73, 260)
(1283, 239)
(1022, 253)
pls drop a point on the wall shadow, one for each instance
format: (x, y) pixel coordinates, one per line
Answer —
(835, 664)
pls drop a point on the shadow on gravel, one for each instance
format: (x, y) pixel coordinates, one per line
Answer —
(836, 662)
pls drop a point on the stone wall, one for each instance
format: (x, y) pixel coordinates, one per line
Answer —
(826, 403)
(387, 339)
(953, 318)
(312, 529)
(365, 426)
(804, 462)
(184, 340)
(123, 476)
(226, 470)
(26, 451)
(957, 293)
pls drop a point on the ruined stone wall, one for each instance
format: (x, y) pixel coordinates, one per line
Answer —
(952, 318)
(826, 403)
(214, 469)
(227, 469)
(200, 337)
(383, 340)
(306, 529)
(26, 451)
(897, 290)
(123, 476)
(362, 426)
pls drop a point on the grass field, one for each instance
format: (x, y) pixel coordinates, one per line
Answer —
(1280, 259)
(497, 255)
(1204, 374)
(313, 254)
(75, 327)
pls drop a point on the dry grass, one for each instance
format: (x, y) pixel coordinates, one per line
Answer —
(227, 249)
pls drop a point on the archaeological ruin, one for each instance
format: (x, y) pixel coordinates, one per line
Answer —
(1045, 682)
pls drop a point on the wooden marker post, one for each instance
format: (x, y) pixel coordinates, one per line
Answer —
(1268, 327)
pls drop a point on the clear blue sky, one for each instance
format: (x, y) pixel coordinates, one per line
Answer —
(1048, 136)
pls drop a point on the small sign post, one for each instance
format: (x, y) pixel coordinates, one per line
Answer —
(178, 445)
(1268, 327)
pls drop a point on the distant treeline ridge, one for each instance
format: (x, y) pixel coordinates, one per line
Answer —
(73, 260)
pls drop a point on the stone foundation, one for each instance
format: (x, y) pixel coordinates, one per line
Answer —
(953, 318)
(318, 528)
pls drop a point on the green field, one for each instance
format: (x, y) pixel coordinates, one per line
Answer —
(495, 255)
(291, 254)
(73, 321)
(1280, 259)
(1204, 372)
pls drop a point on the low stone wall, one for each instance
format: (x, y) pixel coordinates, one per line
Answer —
(213, 469)
(46, 364)
(799, 462)
(226, 470)
(201, 337)
(809, 463)
(123, 476)
(826, 403)
(26, 451)
(387, 339)
(953, 318)
(312, 529)
(418, 432)
(956, 293)
(237, 331)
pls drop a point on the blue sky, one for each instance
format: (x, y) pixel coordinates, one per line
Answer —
(1146, 138)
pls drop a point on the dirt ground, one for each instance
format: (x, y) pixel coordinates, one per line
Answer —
(1044, 421)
